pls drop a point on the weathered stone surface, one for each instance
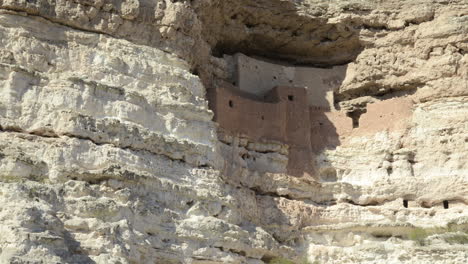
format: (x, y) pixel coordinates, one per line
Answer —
(108, 151)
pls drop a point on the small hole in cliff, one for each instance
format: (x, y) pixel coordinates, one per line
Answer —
(405, 203)
(291, 97)
(329, 175)
(321, 124)
(195, 72)
(189, 203)
(290, 81)
(263, 118)
(274, 77)
(389, 170)
(446, 204)
(234, 16)
(231, 104)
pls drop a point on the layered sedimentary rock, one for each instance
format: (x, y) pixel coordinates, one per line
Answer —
(110, 154)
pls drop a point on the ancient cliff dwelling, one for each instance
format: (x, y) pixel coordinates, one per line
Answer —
(285, 104)
(234, 131)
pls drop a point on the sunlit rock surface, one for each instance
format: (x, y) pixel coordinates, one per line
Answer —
(108, 151)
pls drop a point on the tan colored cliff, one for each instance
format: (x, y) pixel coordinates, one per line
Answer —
(109, 152)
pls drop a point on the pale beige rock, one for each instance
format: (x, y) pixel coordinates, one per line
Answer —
(108, 153)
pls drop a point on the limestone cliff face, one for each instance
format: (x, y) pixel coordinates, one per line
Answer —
(108, 151)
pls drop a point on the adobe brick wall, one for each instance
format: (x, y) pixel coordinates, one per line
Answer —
(392, 114)
(284, 115)
(242, 114)
(327, 128)
(281, 115)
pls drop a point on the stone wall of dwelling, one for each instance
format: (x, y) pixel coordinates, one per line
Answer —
(281, 115)
(327, 128)
(256, 76)
(276, 116)
(392, 114)
(284, 115)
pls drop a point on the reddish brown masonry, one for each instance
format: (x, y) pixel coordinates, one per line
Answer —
(283, 115)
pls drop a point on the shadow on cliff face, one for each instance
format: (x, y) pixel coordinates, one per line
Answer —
(325, 127)
(280, 30)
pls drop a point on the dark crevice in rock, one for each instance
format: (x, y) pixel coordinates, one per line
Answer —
(231, 250)
(370, 203)
(380, 93)
(75, 26)
(221, 140)
(259, 192)
(23, 12)
(49, 133)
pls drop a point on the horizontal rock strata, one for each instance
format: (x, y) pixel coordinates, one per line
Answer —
(109, 152)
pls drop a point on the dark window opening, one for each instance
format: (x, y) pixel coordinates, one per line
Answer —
(290, 81)
(405, 203)
(320, 123)
(446, 205)
(291, 97)
(355, 115)
(263, 118)
(389, 170)
(231, 104)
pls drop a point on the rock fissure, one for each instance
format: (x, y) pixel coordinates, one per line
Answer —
(53, 134)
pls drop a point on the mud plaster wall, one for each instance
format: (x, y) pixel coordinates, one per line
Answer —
(327, 128)
(258, 77)
(392, 114)
(281, 115)
(301, 117)
(278, 116)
